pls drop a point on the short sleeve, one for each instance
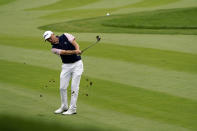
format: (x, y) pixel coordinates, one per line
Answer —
(70, 37)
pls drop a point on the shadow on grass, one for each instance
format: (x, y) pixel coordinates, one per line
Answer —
(14, 123)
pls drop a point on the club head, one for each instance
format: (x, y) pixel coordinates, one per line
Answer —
(98, 38)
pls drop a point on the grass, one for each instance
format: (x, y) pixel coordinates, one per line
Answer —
(153, 57)
(174, 21)
(134, 100)
(23, 124)
(170, 19)
(144, 81)
(3, 2)
(62, 4)
(152, 3)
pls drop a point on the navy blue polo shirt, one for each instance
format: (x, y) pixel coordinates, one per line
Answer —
(65, 44)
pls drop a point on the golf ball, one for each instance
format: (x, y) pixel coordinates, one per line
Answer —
(107, 14)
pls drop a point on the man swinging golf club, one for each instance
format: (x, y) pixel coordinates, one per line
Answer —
(72, 67)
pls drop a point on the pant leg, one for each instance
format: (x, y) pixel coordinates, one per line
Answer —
(64, 82)
(76, 76)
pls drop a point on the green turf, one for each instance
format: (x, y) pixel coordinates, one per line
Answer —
(23, 124)
(175, 21)
(75, 14)
(62, 4)
(3, 2)
(170, 19)
(134, 101)
(144, 78)
(147, 56)
(152, 3)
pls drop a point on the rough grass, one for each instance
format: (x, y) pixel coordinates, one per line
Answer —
(175, 21)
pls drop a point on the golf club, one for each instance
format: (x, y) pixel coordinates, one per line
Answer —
(98, 38)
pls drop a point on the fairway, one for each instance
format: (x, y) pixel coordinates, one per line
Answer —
(141, 76)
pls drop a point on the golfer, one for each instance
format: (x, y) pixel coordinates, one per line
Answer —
(72, 67)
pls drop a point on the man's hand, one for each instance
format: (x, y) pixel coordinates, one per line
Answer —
(78, 52)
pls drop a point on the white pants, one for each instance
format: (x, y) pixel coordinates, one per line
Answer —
(75, 71)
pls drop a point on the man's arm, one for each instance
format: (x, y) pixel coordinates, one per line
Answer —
(72, 40)
(75, 44)
(65, 52)
(70, 52)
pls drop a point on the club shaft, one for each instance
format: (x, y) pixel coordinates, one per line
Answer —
(90, 46)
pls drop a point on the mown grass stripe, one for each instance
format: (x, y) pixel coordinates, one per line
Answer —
(154, 83)
(3, 2)
(172, 82)
(151, 3)
(135, 101)
(159, 19)
(174, 21)
(161, 79)
(153, 57)
(41, 108)
(180, 43)
(62, 4)
(43, 114)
